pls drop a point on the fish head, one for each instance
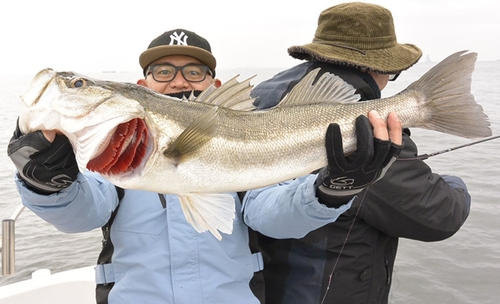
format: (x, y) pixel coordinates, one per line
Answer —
(109, 131)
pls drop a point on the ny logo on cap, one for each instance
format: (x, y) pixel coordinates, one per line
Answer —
(178, 39)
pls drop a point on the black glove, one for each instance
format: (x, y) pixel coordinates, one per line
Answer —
(346, 176)
(45, 167)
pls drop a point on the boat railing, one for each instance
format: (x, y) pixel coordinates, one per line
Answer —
(9, 242)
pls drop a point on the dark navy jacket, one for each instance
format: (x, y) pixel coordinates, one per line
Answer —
(410, 201)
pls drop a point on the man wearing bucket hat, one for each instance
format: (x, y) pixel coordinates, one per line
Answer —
(351, 260)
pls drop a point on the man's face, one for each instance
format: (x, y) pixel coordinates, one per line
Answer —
(179, 83)
(380, 79)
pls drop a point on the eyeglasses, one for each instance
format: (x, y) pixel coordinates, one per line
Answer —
(393, 77)
(166, 72)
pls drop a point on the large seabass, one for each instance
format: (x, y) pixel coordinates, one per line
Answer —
(140, 139)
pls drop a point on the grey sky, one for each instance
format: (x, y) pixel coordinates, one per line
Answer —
(99, 35)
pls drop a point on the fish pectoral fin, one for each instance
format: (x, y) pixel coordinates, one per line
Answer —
(209, 211)
(198, 133)
(328, 88)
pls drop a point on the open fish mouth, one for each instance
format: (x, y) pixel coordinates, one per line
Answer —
(125, 150)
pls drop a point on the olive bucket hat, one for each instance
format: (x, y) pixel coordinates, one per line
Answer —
(360, 35)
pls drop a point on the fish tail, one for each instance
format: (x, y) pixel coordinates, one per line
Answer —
(212, 212)
(450, 106)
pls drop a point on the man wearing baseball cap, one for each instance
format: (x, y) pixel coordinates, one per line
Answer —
(178, 61)
(156, 256)
(150, 254)
(351, 260)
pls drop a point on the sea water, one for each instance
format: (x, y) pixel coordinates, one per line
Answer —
(462, 269)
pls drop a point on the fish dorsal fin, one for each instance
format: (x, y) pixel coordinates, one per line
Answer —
(329, 88)
(194, 136)
(212, 212)
(204, 95)
(232, 95)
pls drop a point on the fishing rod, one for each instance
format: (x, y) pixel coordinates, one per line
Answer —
(426, 156)
(421, 157)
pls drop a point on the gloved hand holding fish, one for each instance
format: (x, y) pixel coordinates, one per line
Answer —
(46, 167)
(139, 139)
(347, 175)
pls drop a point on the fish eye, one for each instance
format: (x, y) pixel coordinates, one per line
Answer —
(78, 83)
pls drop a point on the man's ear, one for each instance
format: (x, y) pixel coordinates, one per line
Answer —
(142, 82)
(217, 83)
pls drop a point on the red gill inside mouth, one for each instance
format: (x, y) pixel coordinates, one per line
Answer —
(125, 150)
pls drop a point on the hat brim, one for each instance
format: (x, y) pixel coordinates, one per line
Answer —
(385, 61)
(154, 53)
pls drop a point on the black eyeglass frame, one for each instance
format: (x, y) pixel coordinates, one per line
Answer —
(393, 77)
(204, 67)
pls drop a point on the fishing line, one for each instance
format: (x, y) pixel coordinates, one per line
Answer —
(426, 156)
(420, 157)
(343, 246)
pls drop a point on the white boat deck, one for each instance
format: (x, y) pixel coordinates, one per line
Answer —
(75, 286)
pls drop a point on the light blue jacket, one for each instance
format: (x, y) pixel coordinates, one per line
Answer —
(158, 256)
(288, 210)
